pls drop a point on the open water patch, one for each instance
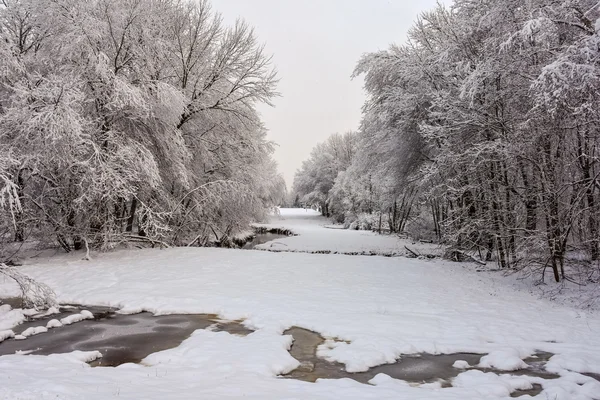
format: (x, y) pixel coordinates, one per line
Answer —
(120, 338)
(262, 238)
(414, 369)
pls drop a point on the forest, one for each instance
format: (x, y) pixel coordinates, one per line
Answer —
(131, 121)
(481, 132)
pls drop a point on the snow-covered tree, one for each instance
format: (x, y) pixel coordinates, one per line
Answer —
(132, 120)
(482, 129)
(314, 181)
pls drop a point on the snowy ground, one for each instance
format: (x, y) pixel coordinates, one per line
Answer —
(383, 307)
(316, 234)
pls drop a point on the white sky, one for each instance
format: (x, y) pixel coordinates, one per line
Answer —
(315, 45)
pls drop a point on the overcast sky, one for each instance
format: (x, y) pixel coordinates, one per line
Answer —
(315, 45)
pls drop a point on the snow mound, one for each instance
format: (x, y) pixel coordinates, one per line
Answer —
(71, 319)
(461, 364)
(490, 384)
(80, 356)
(34, 330)
(29, 312)
(384, 379)
(6, 334)
(503, 360)
(576, 361)
(10, 318)
(54, 323)
(51, 311)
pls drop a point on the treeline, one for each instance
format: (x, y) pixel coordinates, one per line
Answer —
(481, 131)
(131, 120)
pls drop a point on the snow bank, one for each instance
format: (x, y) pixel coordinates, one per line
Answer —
(73, 318)
(9, 317)
(6, 334)
(269, 357)
(492, 385)
(34, 330)
(503, 360)
(54, 323)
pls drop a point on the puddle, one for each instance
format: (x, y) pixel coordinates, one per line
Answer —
(262, 238)
(421, 368)
(120, 338)
(534, 391)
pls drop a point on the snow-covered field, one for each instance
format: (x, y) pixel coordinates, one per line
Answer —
(383, 308)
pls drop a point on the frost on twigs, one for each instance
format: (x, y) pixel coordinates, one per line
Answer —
(34, 294)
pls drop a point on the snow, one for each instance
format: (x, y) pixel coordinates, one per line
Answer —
(6, 334)
(316, 234)
(34, 330)
(9, 317)
(461, 364)
(504, 360)
(489, 384)
(51, 310)
(54, 323)
(383, 307)
(29, 312)
(73, 318)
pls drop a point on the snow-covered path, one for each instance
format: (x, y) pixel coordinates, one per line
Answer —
(383, 307)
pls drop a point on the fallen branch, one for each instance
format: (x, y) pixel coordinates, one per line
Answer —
(34, 294)
(136, 238)
(414, 253)
(470, 257)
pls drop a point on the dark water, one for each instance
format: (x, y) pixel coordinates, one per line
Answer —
(14, 302)
(120, 338)
(419, 368)
(262, 238)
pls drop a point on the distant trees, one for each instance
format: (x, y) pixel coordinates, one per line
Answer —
(131, 120)
(483, 128)
(313, 183)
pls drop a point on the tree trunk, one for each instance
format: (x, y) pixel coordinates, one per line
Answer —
(19, 226)
(131, 218)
